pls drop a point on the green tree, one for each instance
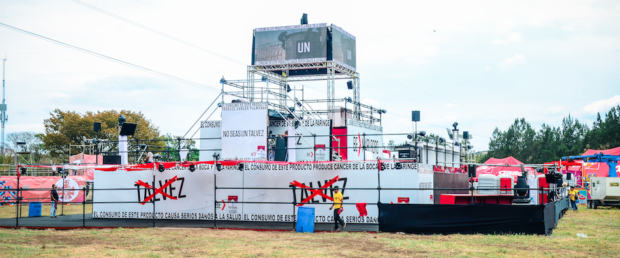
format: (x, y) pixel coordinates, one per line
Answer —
(521, 141)
(69, 127)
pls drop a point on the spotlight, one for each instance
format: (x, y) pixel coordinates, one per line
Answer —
(296, 124)
(348, 99)
(219, 104)
(240, 166)
(288, 88)
(455, 125)
(218, 166)
(192, 168)
(422, 133)
(121, 119)
(222, 80)
(398, 165)
(157, 157)
(350, 85)
(216, 156)
(442, 140)
(161, 168)
(298, 103)
(410, 136)
(23, 170)
(263, 79)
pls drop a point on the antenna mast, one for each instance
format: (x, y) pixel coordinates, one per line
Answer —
(3, 116)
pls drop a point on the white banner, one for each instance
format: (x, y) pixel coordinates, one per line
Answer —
(362, 135)
(244, 131)
(210, 139)
(303, 148)
(194, 191)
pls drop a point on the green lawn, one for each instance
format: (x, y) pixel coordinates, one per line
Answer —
(8, 212)
(602, 227)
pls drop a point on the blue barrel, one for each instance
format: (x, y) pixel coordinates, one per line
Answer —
(305, 219)
(34, 209)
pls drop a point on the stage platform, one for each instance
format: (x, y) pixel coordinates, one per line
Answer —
(75, 222)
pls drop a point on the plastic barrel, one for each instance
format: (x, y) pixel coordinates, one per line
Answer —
(305, 219)
(34, 209)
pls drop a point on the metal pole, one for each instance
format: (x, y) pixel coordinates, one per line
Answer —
(153, 200)
(314, 136)
(294, 204)
(3, 117)
(378, 191)
(17, 204)
(215, 199)
(62, 203)
(364, 144)
(84, 208)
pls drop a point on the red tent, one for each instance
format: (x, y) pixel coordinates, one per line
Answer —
(614, 151)
(599, 169)
(502, 170)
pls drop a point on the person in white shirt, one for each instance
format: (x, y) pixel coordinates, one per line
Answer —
(149, 157)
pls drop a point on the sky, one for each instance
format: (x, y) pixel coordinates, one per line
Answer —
(482, 64)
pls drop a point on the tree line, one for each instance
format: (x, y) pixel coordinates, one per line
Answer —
(551, 143)
(69, 133)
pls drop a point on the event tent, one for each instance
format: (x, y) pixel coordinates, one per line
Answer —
(614, 151)
(510, 168)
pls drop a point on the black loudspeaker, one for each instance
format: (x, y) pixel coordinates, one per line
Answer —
(465, 135)
(97, 127)
(471, 170)
(350, 85)
(128, 129)
(550, 178)
(569, 176)
(415, 116)
(112, 159)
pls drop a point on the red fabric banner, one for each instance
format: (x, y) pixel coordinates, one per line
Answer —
(41, 187)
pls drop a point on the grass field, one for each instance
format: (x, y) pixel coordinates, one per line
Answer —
(602, 227)
(7, 211)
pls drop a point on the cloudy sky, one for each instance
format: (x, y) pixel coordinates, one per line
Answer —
(481, 64)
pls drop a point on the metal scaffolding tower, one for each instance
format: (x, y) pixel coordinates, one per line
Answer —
(3, 116)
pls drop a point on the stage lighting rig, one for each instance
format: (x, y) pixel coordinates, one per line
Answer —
(161, 168)
(22, 146)
(192, 168)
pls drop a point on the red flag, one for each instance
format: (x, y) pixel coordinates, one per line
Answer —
(361, 207)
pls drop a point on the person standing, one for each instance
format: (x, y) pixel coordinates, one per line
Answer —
(338, 209)
(573, 197)
(149, 157)
(54, 198)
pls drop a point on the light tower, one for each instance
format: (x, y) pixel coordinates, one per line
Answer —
(3, 116)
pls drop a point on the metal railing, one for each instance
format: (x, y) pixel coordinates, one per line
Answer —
(19, 201)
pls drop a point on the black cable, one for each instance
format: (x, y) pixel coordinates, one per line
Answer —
(158, 32)
(171, 77)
